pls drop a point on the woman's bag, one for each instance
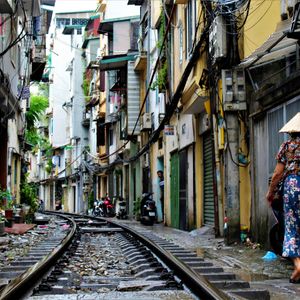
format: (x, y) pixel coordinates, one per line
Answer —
(277, 203)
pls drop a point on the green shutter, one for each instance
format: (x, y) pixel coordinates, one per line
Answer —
(174, 190)
(208, 182)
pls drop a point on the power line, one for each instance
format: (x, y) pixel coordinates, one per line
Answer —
(150, 81)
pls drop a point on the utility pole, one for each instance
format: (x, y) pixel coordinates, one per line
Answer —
(223, 56)
(231, 106)
(232, 196)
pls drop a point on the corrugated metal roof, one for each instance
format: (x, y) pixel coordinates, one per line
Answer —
(276, 46)
(70, 28)
(114, 62)
(119, 19)
(135, 2)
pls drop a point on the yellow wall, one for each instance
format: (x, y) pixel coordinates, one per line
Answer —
(245, 184)
(261, 22)
(187, 99)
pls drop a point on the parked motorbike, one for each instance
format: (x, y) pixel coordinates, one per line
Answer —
(121, 208)
(98, 209)
(276, 233)
(148, 209)
(108, 207)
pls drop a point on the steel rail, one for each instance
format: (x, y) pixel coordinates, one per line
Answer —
(29, 278)
(197, 283)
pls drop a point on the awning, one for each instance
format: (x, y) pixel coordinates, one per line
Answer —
(69, 29)
(93, 102)
(276, 47)
(87, 40)
(48, 2)
(115, 62)
(106, 26)
(135, 2)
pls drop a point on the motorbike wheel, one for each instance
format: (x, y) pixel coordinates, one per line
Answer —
(276, 239)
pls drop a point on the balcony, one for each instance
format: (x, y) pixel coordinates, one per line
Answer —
(141, 62)
(86, 119)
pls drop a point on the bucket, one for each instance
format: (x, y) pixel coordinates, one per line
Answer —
(244, 233)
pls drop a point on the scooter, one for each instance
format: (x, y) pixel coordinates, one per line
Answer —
(98, 209)
(108, 207)
(276, 233)
(121, 208)
(148, 209)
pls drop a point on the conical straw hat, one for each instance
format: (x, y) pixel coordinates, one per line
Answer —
(293, 125)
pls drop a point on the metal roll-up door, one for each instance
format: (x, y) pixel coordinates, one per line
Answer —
(208, 181)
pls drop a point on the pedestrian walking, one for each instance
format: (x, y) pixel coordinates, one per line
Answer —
(288, 170)
(161, 183)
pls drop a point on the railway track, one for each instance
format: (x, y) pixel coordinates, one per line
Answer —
(108, 260)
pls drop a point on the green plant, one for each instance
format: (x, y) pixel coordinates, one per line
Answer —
(91, 200)
(38, 105)
(2, 218)
(6, 198)
(49, 166)
(161, 81)
(137, 206)
(29, 195)
(86, 87)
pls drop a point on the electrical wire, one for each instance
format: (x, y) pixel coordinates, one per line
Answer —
(278, 72)
(149, 84)
(266, 11)
(71, 163)
(227, 137)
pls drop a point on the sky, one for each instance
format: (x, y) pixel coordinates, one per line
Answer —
(115, 8)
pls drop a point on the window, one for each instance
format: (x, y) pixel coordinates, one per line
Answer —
(276, 119)
(79, 21)
(180, 44)
(79, 31)
(160, 143)
(16, 172)
(190, 25)
(62, 22)
(4, 30)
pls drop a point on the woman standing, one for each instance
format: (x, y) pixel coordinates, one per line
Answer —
(288, 170)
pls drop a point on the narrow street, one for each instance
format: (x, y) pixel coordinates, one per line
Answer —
(181, 117)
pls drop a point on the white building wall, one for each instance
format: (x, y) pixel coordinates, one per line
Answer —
(92, 133)
(120, 43)
(59, 90)
(119, 8)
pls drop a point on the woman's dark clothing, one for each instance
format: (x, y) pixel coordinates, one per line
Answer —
(289, 155)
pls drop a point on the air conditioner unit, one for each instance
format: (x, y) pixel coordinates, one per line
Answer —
(218, 39)
(146, 122)
(86, 178)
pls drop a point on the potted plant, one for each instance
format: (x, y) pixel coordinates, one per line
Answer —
(137, 208)
(5, 197)
(2, 223)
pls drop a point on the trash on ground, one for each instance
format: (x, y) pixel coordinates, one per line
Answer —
(270, 256)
